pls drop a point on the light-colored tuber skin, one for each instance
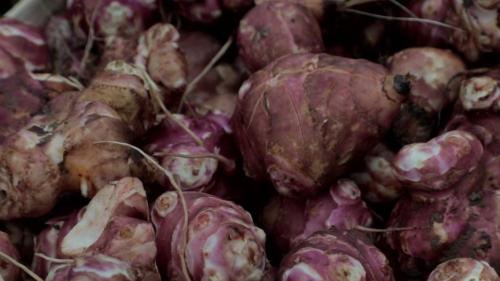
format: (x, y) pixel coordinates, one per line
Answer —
(57, 151)
(195, 166)
(335, 256)
(439, 163)
(481, 92)
(426, 71)
(25, 43)
(115, 223)
(377, 178)
(341, 207)
(96, 267)
(222, 244)
(463, 269)
(303, 120)
(274, 29)
(8, 271)
(209, 11)
(475, 31)
(111, 17)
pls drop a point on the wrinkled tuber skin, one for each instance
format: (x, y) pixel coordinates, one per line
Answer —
(428, 71)
(341, 207)
(334, 111)
(335, 256)
(46, 244)
(124, 88)
(127, 18)
(377, 178)
(8, 271)
(476, 30)
(274, 29)
(220, 233)
(460, 222)
(199, 173)
(440, 163)
(58, 151)
(463, 269)
(208, 11)
(115, 223)
(25, 43)
(97, 268)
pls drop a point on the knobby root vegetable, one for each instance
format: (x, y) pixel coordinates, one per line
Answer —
(335, 256)
(46, 243)
(427, 72)
(196, 167)
(481, 92)
(463, 269)
(8, 271)
(302, 121)
(223, 243)
(274, 29)
(341, 207)
(96, 267)
(115, 224)
(56, 152)
(109, 18)
(475, 31)
(377, 178)
(209, 11)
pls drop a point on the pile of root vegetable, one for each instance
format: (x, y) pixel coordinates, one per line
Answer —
(241, 140)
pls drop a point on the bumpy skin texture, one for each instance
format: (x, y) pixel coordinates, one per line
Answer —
(304, 119)
(428, 71)
(335, 256)
(477, 33)
(223, 242)
(115, 223)
(274, 29)
(377, 178)
(440, 163)
(56, 152)
(126, 18)
(460, 221)
(25, 43)
(199, 173)
(481, 92)
(97, 267)
(208, 11)
(8, 271)
(463, 269)
(341, 207)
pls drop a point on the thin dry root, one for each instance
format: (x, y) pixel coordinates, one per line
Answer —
(409, 19)
(178, 190)
(91, 37)
(385, 230)
(54, 260)
(9, 259)
(204, 72)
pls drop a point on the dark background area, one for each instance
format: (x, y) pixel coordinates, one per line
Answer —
(5, 5)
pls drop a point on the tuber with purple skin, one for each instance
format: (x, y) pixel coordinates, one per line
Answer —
(274, 29)
(341, 207)
(335, 256)
(463, 269)
(302, 121)
(220, 241)
(196, 167)
(426, 72)
(115, 224)
(377, 178)
(110, 18)
(8, 271)
(209, 11)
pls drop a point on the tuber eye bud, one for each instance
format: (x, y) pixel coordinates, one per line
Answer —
(402, 84)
